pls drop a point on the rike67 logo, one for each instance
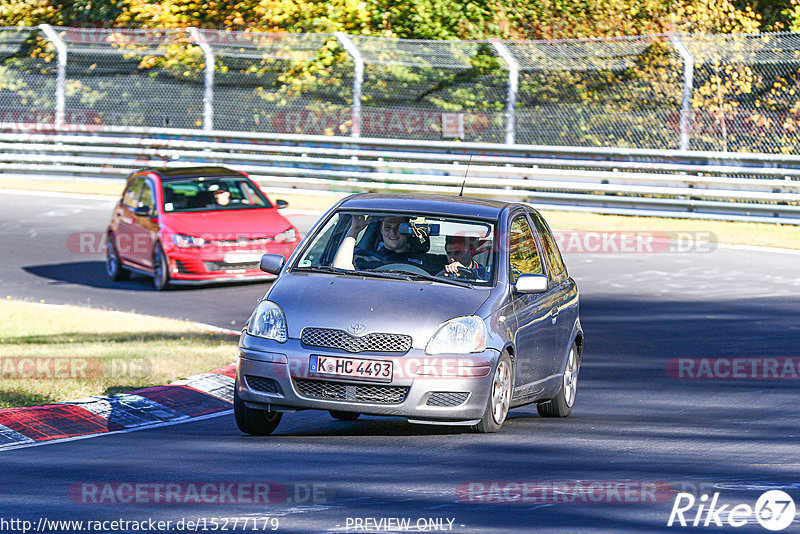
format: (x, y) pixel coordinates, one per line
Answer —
(774, 510)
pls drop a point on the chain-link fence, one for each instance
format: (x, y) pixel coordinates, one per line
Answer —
(701, 92)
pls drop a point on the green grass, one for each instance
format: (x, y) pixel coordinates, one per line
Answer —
(110, 352)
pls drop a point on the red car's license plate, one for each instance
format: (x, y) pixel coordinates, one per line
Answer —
(350, 367)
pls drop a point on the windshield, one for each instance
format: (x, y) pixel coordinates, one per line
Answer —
(406, 245)
(212, 194)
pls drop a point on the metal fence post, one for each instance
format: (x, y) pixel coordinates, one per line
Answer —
(688, 81)
(513, 86)
(61, 72)
(208, 96)
(358, 79)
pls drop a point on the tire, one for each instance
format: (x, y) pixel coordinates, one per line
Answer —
(113, 265)
(160, 269)
(561, 405)
(254, 422)
(344, 416)
(499, 397)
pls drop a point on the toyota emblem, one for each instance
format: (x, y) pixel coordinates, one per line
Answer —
(356, 329)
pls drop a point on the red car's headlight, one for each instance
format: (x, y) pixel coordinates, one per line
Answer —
(187, 241)
(287, 236)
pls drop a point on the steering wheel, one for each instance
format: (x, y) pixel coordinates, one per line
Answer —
(365, 258)
(463, 272)
(407, 267)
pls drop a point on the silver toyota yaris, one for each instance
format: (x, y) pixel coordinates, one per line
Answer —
(440, 309)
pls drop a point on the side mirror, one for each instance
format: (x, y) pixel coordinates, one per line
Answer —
(143, 211)
(272, 263)
(281, 204)
(531, 283)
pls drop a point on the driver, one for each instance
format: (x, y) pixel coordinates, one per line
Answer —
(460, 252)
(394, 246)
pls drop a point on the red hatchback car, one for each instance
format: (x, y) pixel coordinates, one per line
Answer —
(194, 225)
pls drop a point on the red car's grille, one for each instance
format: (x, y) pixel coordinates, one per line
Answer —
(243, 242)
(217, 266)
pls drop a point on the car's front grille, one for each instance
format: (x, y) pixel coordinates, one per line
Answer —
(325, 389)
(263, 384)
(447, 399)
(240, 242)
(222, 266)
(339, 339)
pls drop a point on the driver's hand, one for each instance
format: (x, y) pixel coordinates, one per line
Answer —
(452, 268)
(359, 223)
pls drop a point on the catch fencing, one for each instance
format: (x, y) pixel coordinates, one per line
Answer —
(727, 93)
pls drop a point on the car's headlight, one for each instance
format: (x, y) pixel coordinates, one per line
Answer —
(287, 236)
(461, 335)
(268, 322)
(186, 241)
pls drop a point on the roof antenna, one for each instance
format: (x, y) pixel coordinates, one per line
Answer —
(461, 193)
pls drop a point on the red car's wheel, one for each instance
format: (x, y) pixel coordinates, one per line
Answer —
(113, 265)
(160, 268)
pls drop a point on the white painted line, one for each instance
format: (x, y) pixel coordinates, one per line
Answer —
(125, 431)
(82, 196)
(753, 248)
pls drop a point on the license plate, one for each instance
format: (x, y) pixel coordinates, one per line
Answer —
(242, 258)
(350, 367)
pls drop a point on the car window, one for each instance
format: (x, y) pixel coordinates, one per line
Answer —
(523, 252)
(450, 248)
(555, 263)
(131, 196)
(146, 199)
(207, 194)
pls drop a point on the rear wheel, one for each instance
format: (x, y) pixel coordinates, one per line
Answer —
(561, 406)
(344, 416)
(113, 265)
(251, 421)
(160, 269)
(499, 397)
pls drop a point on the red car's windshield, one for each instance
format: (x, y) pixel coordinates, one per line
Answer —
(212, 194)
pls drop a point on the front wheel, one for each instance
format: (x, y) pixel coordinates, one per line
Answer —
(251, 421)
(160, 269)
(561, 406)
(499, 397)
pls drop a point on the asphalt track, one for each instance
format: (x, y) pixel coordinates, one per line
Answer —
(633, 423)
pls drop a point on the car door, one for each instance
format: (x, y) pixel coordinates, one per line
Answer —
(145, 226)
(125, 231)
(535, 335)
(563, 289)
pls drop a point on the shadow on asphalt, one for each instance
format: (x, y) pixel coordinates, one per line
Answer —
(93, 274)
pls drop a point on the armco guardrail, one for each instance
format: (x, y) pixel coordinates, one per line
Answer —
(756, 187)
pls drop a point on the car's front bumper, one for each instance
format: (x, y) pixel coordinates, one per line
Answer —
(419, 381)
(199, 265)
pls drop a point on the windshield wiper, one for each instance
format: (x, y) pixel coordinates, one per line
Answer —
(348, 272)
(432, 278)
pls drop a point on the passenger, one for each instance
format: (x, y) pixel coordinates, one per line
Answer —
(394, 246)
(222, 197)
(460, 252)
